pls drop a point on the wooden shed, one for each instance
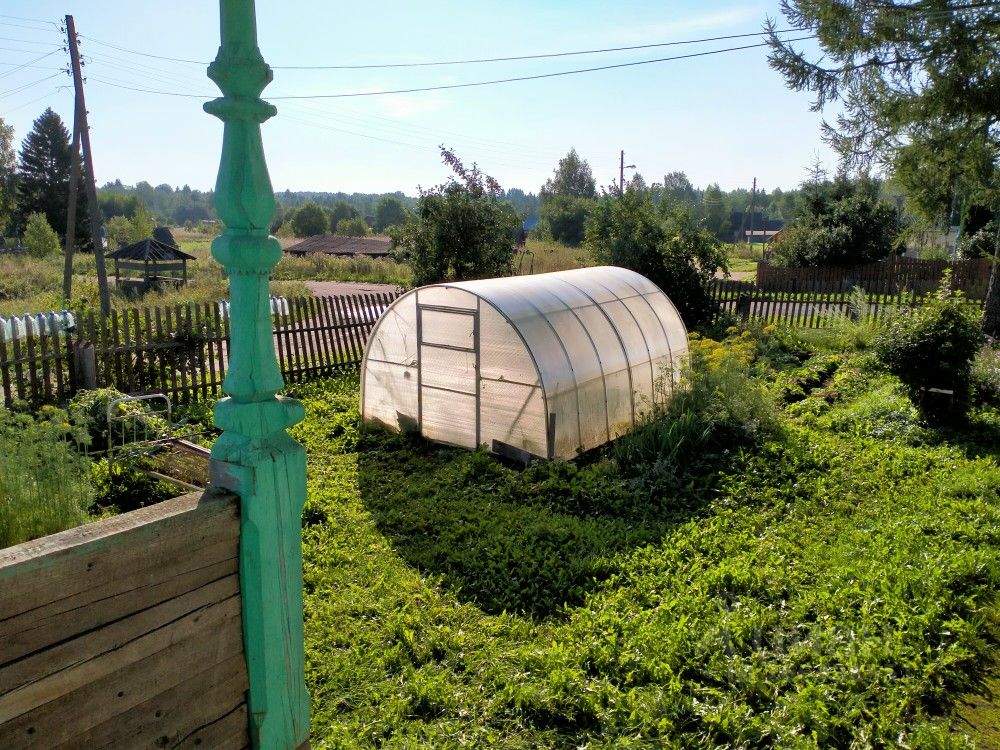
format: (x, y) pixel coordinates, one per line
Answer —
(158, 264)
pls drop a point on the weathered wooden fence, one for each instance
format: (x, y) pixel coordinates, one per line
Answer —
(890, 277)
(181, 350)
(126, 632)
(805, 305)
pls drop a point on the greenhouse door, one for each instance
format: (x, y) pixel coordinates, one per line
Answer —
(448, 372)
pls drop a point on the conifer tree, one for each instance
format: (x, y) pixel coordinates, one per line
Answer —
(43, 178)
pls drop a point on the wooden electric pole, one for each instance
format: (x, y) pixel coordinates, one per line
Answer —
(74, 180)
(88, 160)
(753, 205)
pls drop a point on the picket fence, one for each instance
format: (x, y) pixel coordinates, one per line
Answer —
(180, 350)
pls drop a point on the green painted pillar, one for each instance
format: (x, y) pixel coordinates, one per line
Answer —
(254, 456)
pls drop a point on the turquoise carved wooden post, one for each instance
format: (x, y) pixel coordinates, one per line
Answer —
(254, 456)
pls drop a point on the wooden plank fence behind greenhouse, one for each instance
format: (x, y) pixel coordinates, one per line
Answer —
(180, 350)
(810, 304)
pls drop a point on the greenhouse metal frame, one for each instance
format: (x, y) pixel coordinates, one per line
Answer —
(548, 365)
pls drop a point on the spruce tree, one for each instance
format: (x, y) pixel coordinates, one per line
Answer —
(43, 178)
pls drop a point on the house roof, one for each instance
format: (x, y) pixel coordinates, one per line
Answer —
(149, 249)
(334, 244)
(163, 234)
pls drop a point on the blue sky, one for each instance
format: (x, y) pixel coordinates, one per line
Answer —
(724, 118)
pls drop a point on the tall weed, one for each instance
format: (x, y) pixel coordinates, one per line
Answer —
(44, 485)
(718, 407)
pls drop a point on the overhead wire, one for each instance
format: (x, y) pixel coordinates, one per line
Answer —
(29, 85)
(30, 63)
(444, 87)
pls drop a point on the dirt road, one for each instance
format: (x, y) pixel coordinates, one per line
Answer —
(334, 288)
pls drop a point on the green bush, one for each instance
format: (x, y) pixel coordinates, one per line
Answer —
(932, 347)
(43, 479)
(718, 407)
(986, 376)
(667, 245)
(123, 485)
(39, 238)
(90, 409)
(355, 227)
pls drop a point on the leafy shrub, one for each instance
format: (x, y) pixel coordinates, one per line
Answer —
(932, 346)
(718, 407)
(857, 328)
(90, 409)
(842, 222)
(355, 227)
(667, 245)
(463, 229)
(43, 480)
(122, 484)
(39, 238)
(986, 376)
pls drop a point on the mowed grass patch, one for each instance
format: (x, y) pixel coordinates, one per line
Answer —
(831, 588)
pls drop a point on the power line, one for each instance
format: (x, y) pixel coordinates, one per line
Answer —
(32, 101)
(443, 87)
(534, 77)
(23, 18)
(470, 61)
(30, 63)
(525, 57)
(31, 28)
(29, 85)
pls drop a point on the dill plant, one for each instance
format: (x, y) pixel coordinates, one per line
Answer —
(44, 484)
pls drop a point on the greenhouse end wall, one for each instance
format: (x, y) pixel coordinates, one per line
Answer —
(550, 364)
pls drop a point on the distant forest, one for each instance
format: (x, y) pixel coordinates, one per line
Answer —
(178, 206)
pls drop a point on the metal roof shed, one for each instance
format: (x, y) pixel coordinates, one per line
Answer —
(550, 365)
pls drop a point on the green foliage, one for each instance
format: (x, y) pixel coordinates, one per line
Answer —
(986, 376)
(564, 217)
(820, 589)
(122, 230)
(840, 223)
(43, 179)
(932, 346)
(309, 220)
(390, 212)
(572, 177)
(43, 480)
(670, 247)
(355, 227)
(121, 485)
(130, 419)
(8, 175)
(322, 267)
(463, 230)
(856, 328)
(916, 84)
(718, 406)
(341, 211)
(39, 238)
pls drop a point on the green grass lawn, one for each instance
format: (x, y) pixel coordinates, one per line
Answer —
(833, 585)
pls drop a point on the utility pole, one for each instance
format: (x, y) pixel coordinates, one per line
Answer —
(622, 166)
(753, 202)
(74, 179)
(88, 160)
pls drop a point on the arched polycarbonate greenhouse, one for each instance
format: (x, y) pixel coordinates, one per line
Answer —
(548, 365)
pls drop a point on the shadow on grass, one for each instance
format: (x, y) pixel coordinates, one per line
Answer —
(528, 540)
